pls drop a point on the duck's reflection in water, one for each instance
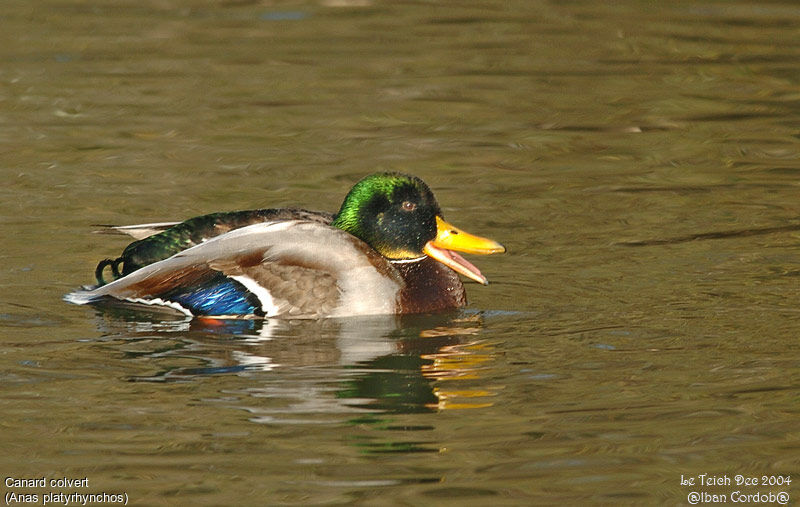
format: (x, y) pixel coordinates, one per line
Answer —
(383, 364)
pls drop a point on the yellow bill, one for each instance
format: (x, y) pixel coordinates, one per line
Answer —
(450, 239)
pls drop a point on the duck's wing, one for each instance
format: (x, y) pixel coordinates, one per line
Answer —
(293, 269)
(219, 222)
(139, 231)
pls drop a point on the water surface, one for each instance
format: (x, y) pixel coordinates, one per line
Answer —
(640, 160)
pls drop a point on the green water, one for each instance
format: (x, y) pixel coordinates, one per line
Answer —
(640, 161)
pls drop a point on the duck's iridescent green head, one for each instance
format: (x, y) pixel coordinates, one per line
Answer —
(398, 216)
(393, 213)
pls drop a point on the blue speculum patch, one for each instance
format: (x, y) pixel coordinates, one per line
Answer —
(219, 295)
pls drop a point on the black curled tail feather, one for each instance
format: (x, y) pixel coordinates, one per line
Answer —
(101, 266)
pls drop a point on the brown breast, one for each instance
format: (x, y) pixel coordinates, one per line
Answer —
(430, 287)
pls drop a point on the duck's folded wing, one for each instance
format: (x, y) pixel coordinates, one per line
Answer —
(139, 231)
(294, 269)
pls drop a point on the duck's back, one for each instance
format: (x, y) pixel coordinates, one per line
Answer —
(199, 229)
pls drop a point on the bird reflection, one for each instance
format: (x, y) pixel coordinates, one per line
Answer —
(382, 364)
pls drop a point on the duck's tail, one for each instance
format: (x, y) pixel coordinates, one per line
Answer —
(101, 266)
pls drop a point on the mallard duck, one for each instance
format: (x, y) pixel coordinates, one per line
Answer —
(387, 251)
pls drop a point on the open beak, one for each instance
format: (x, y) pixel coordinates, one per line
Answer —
(450, 238)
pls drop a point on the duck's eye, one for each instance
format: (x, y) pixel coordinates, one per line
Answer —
(409, 206)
